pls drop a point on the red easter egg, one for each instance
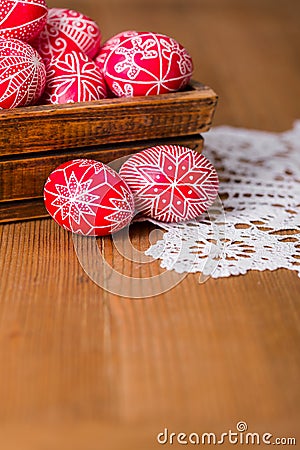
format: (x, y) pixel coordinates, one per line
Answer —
(22, 74)
(73, 77)
(67, 30)
(110, 44)
(89, 198)
(171, 183)
(22, 19)
(147, 64)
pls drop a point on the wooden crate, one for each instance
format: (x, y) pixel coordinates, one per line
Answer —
(35, 140)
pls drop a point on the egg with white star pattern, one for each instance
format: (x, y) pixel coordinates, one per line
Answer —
(171, 183)
(89, 198)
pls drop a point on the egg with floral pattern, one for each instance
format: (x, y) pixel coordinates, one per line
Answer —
(22, 19)
(67, 30)
(171, 183)
(147, 64)
(89, 198)
(72, 78)
(22, 74)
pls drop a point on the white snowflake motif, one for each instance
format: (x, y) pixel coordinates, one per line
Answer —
(172, 49)
(138, 48)
(170, 197)
(74, 199)
(123, 211)
(171, 185)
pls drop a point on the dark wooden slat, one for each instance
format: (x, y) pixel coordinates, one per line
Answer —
(24, 210)
(22, 180)
(47, 128)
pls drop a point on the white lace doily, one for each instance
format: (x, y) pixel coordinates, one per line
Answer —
(259, 227)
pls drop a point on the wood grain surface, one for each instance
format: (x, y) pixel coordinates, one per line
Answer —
(24, 178)
(82, 369)
(76, 125)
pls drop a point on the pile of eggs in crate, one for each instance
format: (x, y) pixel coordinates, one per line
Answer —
(55, 56)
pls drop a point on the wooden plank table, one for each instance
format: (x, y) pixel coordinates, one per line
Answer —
(82, 369)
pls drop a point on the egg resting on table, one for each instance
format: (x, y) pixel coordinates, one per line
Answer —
(88, 198)
(171, 183)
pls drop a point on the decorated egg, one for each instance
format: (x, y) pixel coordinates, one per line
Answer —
(73, 77)
(171, 183)
(89, 198)
(67, 30)
(22, 19)
(147, 64)
(110, 44)
(22, 74)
